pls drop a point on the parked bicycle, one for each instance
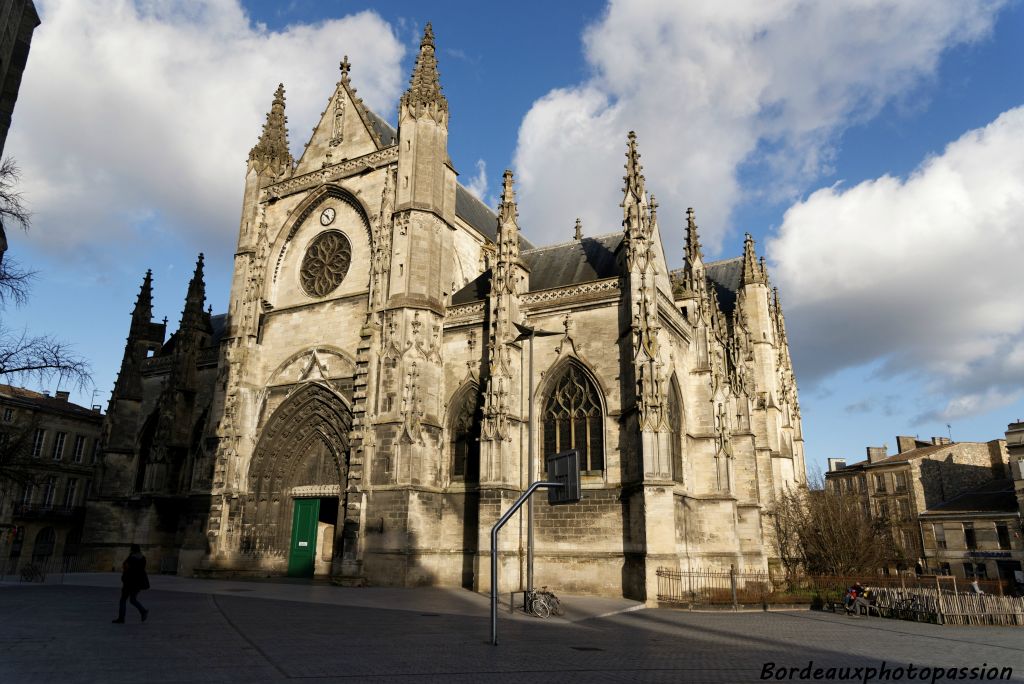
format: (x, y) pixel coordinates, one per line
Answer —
(543, 603)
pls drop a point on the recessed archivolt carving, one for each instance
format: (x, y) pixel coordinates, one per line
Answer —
(306, 208)
(304, 444)
(320, 362)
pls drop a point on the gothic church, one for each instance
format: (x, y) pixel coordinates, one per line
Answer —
(360, 411)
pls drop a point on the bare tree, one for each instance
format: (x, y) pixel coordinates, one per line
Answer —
(12, 204)
(15, 457)
(23, 356)
(828, 532)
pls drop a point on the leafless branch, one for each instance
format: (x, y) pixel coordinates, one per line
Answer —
(12, 205)
(14, 283)
(24, 357)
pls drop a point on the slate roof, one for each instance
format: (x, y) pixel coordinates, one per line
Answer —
(43, 402)
(571, 263)
(996, 496)
(474, 290)
(388, 136)
(475, 213)
(568, 263)
(726, 276)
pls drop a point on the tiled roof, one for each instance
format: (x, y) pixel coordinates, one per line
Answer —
(996, 496)
(43, 402)
(909, 455)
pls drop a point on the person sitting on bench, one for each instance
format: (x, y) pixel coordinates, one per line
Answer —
(851, 595)
(867, 602)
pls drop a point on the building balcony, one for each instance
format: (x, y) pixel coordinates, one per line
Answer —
(43, 512)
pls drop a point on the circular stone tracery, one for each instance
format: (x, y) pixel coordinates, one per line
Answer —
(326, 263)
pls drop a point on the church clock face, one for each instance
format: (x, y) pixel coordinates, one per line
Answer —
(327, 216)
(326, 263)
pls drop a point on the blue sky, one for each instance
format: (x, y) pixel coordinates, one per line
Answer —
(875, 150)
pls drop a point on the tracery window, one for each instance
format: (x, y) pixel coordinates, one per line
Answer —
(326, 263)
(573, 419)
(465, 438)
(675, 422)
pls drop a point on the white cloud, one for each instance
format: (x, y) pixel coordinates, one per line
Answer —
(711, 85)
(478, 183)
(923, 272)
(138, 117)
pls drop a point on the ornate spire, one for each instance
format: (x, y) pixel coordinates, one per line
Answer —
(634, 191)
(508, 228)
(345, 66)
(143, 311)
(752, 272)
(425, 85)
(194, 300)
(579, 230)
(694, 254)
(272, 149)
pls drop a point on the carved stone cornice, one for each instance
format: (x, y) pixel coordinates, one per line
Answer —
(596, 289)
(349, 167)
(464, 312)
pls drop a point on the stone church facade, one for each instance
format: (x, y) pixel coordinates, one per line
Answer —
(361, 409)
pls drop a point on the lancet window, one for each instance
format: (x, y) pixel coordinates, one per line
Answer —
(573, 419)
(675, 423)
(465, 437)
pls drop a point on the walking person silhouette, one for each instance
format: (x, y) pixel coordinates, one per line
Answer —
(133, 580)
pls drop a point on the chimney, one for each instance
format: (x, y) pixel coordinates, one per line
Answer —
(937, 441)
(876, 454)
(905, 443)
(835, 464)
(63, 396)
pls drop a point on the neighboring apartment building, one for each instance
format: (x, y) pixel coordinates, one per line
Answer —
(976, 534)
(1015, 449)
(921, 476)
(47, 460)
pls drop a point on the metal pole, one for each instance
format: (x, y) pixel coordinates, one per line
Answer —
(494, 550)
(529, 478)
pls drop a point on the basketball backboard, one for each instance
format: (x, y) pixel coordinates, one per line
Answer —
(564, 468)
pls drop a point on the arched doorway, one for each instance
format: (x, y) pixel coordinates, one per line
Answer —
(297, 481)
(464, 414)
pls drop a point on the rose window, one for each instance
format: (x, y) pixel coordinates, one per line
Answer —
(326, 263)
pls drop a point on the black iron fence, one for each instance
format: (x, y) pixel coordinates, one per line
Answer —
(49, 569)
(734, 588)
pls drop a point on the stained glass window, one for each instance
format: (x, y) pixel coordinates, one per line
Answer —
(573, 420)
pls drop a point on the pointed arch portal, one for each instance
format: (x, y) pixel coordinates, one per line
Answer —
(301, 458)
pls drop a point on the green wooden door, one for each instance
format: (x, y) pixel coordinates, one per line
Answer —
(303, 548)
